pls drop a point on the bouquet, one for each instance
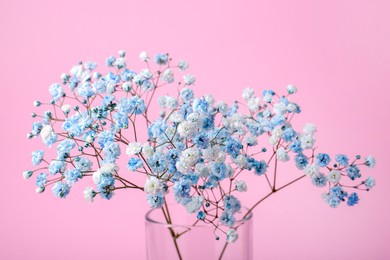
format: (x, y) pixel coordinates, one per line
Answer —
(197, 149)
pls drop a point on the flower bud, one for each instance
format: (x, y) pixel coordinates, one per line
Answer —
(27, 174)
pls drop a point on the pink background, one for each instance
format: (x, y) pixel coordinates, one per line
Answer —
(336, 52)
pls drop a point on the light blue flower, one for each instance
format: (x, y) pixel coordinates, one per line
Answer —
(61, 190)
(342, 159)
(41, 180)
(155, 201)
(182, 189)
(219, 171)
(105, 185)
(322, 159)
(289, 134)
(37, 157)
(111, 152)
(202, 140)
(89, 65)
(83, 164)
(369, 182)
(233, 147)
(157, 163)
(161, 59)
(301, 161)
(56, 166)
(72, 176)
(64, 148)
(338, 192)
(56, 91)
(85, 90)
(295, 146)
(353, 172)
(260, 167)
(105, 137)
(370, 161)
(36, 128)
(134, 164)
(187, 94)
(110, 60)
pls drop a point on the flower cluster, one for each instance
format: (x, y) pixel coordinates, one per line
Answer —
(197, 149)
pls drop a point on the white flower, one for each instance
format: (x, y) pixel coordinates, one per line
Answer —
(183, 65)
(202, 169)
(231, 235)
(46, 132)
(126, 86)
(291, 89)
(120, 62)
(76, 70)
(223, 108)
(133, 148)
(209, 99)
(251, 140)
(247, 93)
(153, 185)
(311, 170)
(89, 194)
(27, 174)
(143, 56)
(162, 101)
(273, 140)
(254, 104)
(187, 129)
(183, 166)
(267, 98)
(190, 156)
(168, 76)
(291, 107)
(282, 155)
(280, 108)
(210, 154)
(307, 141)
(240, 185)
(176, 117)
(278, 132)
(309, 128)
(194, 205)
(148, 151)
(40, 189)
(221, 157)
(240, 160)
(171, 102)
(189, 79)
(334, 176)
(66, 109)
(106, 168)
(370, 161)
(146, 74)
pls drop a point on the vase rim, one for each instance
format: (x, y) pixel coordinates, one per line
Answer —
(148, 218)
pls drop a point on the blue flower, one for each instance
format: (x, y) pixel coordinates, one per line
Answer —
(353, 199)
(233, 147)
(61, 190)
(289, 134)
(83, 164)
(301, 161)
(322, 159)
(41, 180)
(192, 176)
(208, 123)
(138, 105)
(121, 120)
(369, 182)
(36, 128)
(157, 128)
(56, 166)
(342, 159)
(353, 172)
(157, 163)
(161, 59)
(111, 152)
(295, 146)
(227, 219)
(201, 215)
(110, 60)
(155, 201)
(56, 91)
(134, 164)
(260, 167)
(105, 137)
(187, 94)
(85, 90)
(105, 185)
(338, 192)
(182, 189)
(89, 65)
(277, 120)
(219, 171)
(231, 204)
(64, 148)
(127, 75)
(202, 141)
(37, 157)
(319, 180)
(72, 176)
(333, 201)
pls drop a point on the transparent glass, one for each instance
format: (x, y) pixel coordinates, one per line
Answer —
(194, 241)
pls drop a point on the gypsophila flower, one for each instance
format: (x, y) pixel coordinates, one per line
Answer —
(61, 190)
(37, 157)
(231, 235)
(89, 194)
(369, 182)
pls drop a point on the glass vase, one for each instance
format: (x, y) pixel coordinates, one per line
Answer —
(184, 240)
